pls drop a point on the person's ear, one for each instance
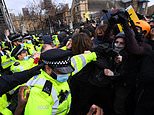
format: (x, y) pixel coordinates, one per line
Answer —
(19, 56)
(48, 69)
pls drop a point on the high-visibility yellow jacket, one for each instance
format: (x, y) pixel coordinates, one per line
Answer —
(21, 65)
(50, 97)
(6, 60)
(55, 40)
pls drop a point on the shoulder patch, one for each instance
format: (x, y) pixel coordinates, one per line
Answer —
(47, 87)
(16, 63)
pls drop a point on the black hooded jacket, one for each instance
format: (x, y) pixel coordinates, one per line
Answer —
(136, 53)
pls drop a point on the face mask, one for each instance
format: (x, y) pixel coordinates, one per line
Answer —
(100, 37)
(26, 57)
(118, 48)
(22, 45)
(29, 42)
(62, 77)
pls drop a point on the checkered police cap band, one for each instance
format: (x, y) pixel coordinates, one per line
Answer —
(58, 62)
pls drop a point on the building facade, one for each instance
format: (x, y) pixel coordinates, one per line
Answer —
(140, 6)
(25, 12)
(151, 10)
(63, 14)
(5, 19)
(82, 9)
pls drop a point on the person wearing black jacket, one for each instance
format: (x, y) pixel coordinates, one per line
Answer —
(121, 91)
(151, 37)
(136, 52)
(100, 35)
(92, 85)
(8, 82)
(145, 100)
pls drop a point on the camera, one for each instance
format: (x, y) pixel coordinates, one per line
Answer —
(115, 16)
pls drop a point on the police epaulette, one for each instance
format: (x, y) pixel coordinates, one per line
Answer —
(16, 63)
(47, 87)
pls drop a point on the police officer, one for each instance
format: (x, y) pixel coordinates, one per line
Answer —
(6, 61)
(50, 92)
(16, 39)
(23, 61)
(47, 43)
(28, 44)
(8, 82)
(55, 40)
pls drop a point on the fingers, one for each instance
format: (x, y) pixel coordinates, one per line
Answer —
(21, 90)
(23, 96)
(118, 59)
(98, 110)
(95, 110)
(27, 94)
(23, 93)
(108, 72)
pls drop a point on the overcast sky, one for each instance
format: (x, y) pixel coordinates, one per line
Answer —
(15, 6)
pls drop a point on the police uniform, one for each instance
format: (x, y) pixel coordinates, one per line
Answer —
(8, 82)
(21, 65)
(55, 40)
(48, 94)
(6, 60)
(17, 66)
(47, 40)
(37, 43)
(28, 44)
(17, 37)
(3, 102)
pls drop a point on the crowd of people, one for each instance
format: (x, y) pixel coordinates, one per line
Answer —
(96, 70)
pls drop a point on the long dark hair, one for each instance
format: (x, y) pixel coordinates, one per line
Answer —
(80, 43)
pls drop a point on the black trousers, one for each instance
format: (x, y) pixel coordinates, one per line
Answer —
(124, 100)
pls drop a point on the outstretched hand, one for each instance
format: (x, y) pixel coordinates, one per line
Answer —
(95, 110)
(23, 95)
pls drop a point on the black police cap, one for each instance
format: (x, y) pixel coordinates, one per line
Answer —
(15, 37)
(58, 59)
(47, 39)
(17, 50)
(27, 36)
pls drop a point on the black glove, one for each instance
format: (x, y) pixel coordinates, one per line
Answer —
(123, 17)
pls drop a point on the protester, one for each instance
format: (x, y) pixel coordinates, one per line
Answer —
(100, 69)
